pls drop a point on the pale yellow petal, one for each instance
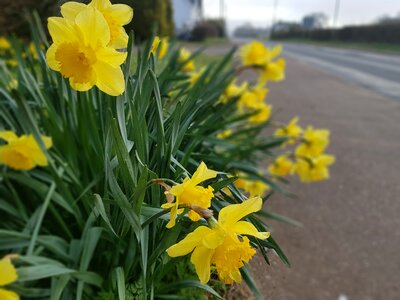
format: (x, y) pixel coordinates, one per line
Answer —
(202, 174)
(93, 27)
(70, 10)
(101, 4)
(191, 241)
(231, 214)
(109, 79)
(122, 12)
(243, 227)
(120, 39)
(111, 56)
(8, 273)
(201, 258)
(276, 51)
(8, 136)
(214, 239)
(8, 295)
(51, 58)
(82, 87)
(61, 30)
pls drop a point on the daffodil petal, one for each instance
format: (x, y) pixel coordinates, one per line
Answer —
(231, 214)
(70, 10)
(122, 12)
(202, 174)
(111, 56)
(191, 241)
(243, 227)
(276, 51)
(61, 30)
(201, 258)
(8, 273)
(94, 28)
(82, 87)
(51, 58)
(109, 79)
(8, 295)
(214, 239)
(8, 136)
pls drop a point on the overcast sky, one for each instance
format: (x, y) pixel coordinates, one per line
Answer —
(260, 12)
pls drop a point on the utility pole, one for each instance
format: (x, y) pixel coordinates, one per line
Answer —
(274, 12)
(336, 12)
(221, 9)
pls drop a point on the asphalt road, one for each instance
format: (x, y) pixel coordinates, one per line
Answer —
(349, 245)
(378, 72)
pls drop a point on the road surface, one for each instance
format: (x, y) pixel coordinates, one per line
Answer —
(349, 245)
(378, 72)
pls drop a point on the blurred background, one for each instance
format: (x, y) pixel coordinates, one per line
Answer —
(343, 73)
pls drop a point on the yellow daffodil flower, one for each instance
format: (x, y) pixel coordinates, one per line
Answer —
(255, 188)
(220, 246)
(313, 169)
(4, 43)
(282, 166)
(195, 76)
(116, 16)
(252, 98)
(12, 62)
(12, 85)
(80, 52)
(233, 91)
(22, 153)
(257, 54)
(163, 48)
(273, 71)
(190, 193)
(184, 55)
(224, 134)
(315, 142)
(8, 274)
(263, 114)
(292, 130)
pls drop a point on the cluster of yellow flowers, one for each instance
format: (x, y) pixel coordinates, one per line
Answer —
(87, 44)
(7, 52)
(22, 153)
(223, 244)
(310, 162)
(8, 274)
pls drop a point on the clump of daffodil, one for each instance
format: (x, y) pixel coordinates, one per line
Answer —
(255, 188)
(187, 65)
(80, 52)
(223, 247)
(8, 274)
(22, 153)
(313, 168)
(161, 45)
(115, 15)
(257, 55)
(190, 193)
(233, 91)
(292, 131)
(282, 166)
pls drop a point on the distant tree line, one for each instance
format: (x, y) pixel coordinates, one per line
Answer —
(380, 33)
(149, 16)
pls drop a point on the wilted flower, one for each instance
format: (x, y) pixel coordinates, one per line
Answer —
(116, 16)
(22, 153)
(80, 52)
(191, 193)
(8, 274)
(220, 246)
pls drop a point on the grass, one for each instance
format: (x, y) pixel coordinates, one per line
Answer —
(375, 47)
